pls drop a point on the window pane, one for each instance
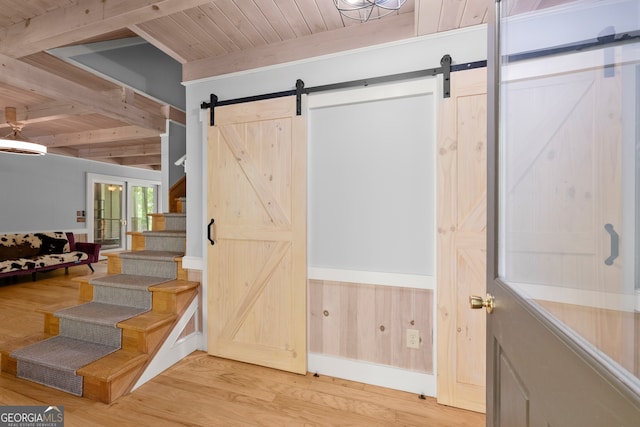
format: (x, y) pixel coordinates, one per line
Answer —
(569, 166)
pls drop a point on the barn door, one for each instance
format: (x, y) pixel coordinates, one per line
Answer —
(257, 229)
(461, 225)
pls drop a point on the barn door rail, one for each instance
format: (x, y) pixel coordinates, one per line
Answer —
(445, 68)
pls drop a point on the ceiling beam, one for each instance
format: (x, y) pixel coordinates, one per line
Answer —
(81, 20)
(99, 136)
(121, 151)
(143, 160)
(44, 112)
(157, 43)
(27, 77)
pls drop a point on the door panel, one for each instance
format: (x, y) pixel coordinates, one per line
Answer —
(461, 225)
(257, 266)
(563, 384)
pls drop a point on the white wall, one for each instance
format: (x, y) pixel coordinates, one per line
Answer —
(43, 193)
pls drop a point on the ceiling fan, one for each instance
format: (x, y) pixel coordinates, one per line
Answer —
(15, 142)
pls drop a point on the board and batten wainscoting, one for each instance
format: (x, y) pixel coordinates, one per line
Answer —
(358, 325)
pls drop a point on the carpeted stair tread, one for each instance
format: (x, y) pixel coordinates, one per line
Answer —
(63, 353)
(99, 313)
(128, 281)
(151, 255)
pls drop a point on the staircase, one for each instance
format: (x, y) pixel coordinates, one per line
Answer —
(102, 345)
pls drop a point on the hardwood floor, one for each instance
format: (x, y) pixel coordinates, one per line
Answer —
(202, 390)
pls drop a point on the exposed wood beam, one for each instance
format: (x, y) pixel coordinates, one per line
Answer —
(27, 77)
(391, 28)
(82, 20)
(172, 113)
(44, 112)
(154, 41)
(121, 151)
(139, 161)
(99, 136)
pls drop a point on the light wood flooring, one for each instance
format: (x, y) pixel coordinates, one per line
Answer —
(202, 390)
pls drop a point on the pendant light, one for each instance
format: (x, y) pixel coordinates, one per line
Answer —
(14, 142)
(365, 10)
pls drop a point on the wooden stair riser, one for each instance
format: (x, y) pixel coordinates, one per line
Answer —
(172, 302)
(51, 324)
(111, 377)
(147, 339)
(9, 364)
(157, 222)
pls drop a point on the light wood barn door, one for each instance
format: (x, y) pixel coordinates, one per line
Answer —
(257, 266)
(563, 181)
(461, 225)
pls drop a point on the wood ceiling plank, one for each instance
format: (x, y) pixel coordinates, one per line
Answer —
(275, 17)
(205, 30)
(209, 24)
(392, 28)
(234, 34)
(239, 20)
(427, 16)
(476, 12)
(263, 26)
(451, 17)
(312, 15)
(83, 19)
(292, 14)
(183, 31)
(330, 15)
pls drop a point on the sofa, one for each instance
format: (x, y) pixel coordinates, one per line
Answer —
(31, 253)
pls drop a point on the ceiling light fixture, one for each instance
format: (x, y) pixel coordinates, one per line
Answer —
(365, 10)
(14, 142)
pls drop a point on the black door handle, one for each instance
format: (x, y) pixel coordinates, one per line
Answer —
(213, 242)
(615, 242)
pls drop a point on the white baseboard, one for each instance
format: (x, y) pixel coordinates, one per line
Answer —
(372, 278)
(192, 263)
(371, 373)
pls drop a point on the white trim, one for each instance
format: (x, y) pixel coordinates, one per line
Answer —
(372, 278)
(374, 374)
(192, 263)
(430, 38)
(575, 296)
(425, 85)
(83, 49)
(638, 300)
(173, 349)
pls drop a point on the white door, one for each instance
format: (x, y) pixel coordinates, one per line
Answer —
(563, 337)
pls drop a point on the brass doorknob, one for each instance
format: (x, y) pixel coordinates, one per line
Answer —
(476, 302)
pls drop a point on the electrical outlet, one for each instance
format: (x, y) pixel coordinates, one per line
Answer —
(413, 338)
